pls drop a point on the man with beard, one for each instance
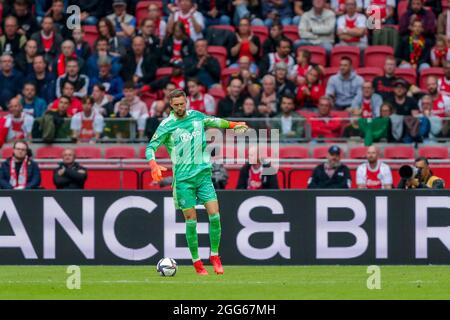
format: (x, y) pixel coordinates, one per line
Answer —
(403, 105)
(373, 174)
(441, 103)
(331, 174)
(20, 172)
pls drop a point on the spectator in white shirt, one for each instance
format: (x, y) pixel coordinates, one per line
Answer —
(373, 174)
(192, 19)
(87, 125)
(19, 123)
(352, 27)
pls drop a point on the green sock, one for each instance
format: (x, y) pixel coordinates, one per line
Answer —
(214, 233)
(192, 238)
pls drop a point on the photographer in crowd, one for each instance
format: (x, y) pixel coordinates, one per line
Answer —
(419, 177)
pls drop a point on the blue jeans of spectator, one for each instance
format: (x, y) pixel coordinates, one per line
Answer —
(205, 78)
(286, 21)
(222, 20)
(303, 42)
(421, 66)
(241, 11)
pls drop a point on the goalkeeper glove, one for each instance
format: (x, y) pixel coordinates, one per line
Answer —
(238, 127)
(156, 170)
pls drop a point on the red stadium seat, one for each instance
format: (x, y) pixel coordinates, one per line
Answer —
(88, 152)
(369, 73)
(444, 4)
(226, 74)
(407, 74)
(261, 32)
(7, 152)
(357, 153)
(318, 54)
(218, 94)
(322, 152)
(220, 53)
(307, 114)
(163, 72)
(375, 56)
(399, 152)
(424, 74)
(50, 152)
(294, 152)
(291, 32)
(90, 35)
(121, 152)
(434, 152)
(149, 98)
(142, 9)
(402, 6)
(331, 71)
(224, 27)
(344, 51)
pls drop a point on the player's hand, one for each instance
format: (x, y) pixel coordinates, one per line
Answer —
(239, 127)
(156, 170)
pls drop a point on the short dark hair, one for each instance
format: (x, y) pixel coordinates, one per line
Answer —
(30, 83)
(176, 94)
(346, 58)
(287, 96)
(65, 97)
(283, 39)
(129, 85)
(100, 87)
(424, 159)
(87, 100)
(72, 59)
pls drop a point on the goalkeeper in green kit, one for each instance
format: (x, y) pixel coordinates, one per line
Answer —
(183, 134)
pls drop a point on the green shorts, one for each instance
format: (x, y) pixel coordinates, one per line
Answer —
(196, 190)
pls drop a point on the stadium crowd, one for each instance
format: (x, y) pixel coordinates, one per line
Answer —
(373, 69)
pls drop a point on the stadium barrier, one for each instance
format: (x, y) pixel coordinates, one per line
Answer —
(258, 228)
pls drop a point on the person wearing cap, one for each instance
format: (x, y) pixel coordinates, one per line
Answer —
(113, 84)
(125, 24)
(137, 66)
(332, 174)
(373, 174)
(402, 104)
(202, 65)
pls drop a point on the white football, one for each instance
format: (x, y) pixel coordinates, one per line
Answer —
(167, 267)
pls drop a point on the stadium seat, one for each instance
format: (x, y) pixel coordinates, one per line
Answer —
(226, 74)
(218, 94)
(120, 152)
(322, 152)
(331, 71)
(402, 6)
(399, 152)
(291, 32)
(90, 35)
(160, 154)
(149, 98)
(163, 72)
(407, 74)
(88, 152)
(261, 32)
(433, 152)
(357, 153)
(444, 4)
(424, 74)
(318, 54)
(142, 10)
(307, 114)
(7, 152)
(224, 27)
(369, 73)
(50, 152)
(220, 53)
(294, 152)
(375, 56)
(341, 51)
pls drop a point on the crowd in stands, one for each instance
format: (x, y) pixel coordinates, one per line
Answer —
(303, 67)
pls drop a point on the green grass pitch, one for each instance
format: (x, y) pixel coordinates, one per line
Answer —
(238, 282)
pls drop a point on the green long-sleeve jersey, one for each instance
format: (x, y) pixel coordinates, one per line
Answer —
(185, 140)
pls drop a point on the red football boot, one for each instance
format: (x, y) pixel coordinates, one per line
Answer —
(200, 269)
(217, 264)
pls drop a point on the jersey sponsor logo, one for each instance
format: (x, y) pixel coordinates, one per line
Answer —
(188, 136)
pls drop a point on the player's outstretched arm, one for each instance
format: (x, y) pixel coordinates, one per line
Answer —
(213, 122)
(154, 144)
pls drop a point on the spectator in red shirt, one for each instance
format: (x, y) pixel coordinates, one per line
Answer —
(324, 126)
(309, 93)
(245, 42)
(75, 105)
